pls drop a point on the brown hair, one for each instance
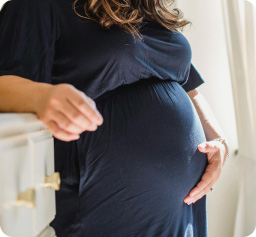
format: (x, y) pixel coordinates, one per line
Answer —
(129, 14)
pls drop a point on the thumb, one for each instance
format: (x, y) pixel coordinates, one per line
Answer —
(205, 147)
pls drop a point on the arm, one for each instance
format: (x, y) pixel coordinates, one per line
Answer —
(19, 94)
(64, 110)
(216, 151)
(210, 125)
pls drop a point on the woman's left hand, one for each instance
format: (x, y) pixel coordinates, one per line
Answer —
(216, 155)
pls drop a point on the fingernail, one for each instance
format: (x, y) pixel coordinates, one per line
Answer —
(94, 127)
(99, 119)
(203, 146)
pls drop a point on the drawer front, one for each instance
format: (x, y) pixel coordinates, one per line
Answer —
(16, 179)
(43, 166)
(25, 162)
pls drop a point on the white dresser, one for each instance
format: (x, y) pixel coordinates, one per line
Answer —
(27, 178)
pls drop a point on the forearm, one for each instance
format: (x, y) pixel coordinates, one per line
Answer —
(20, 95)
(209, 122)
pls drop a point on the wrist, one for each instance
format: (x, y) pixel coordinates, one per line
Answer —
(225, 143)
(40, 95)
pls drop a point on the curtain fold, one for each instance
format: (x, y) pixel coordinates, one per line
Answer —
(240, 24)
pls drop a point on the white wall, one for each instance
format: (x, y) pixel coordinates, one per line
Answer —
(2, 2)
(209, 54)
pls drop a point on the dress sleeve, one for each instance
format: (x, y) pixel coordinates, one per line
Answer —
(194, 79)
(28, 32)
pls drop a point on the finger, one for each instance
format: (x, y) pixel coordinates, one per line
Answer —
(76, 116)
(210, 146)
(211, 175)
(83, 104)
(201, 194)
(65, 124)
(205, 180)
(204, 192)
(59, 133)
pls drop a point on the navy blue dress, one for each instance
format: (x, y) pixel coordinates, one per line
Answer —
(131, 175)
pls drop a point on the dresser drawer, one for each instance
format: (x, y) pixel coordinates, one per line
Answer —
(42, 151)
(16, 177)
(27, 203)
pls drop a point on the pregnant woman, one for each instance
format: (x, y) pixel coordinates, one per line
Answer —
(134, 140)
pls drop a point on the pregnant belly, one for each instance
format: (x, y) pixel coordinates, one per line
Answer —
(138, 166)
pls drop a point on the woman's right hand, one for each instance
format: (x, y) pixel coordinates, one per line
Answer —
(67, 112)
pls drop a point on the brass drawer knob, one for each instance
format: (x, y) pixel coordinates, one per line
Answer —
(27, 198)
(53, 181)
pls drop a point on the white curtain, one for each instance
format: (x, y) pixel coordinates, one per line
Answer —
(2, 3)
(240, 23)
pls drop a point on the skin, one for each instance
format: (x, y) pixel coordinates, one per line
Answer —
(67, 112)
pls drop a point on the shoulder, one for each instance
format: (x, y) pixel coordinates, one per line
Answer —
(29, 5)
(30, 9)
(31, 2)
(29, 17)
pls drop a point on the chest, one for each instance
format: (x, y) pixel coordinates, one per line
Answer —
(96, 59)
(84, 40)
